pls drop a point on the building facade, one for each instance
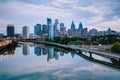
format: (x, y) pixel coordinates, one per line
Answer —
(25, 31)
(10, 30)
(37, 29)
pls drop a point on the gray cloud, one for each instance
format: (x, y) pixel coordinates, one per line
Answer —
(30, 12)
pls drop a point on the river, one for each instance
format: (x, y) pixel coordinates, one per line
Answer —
(41, 62)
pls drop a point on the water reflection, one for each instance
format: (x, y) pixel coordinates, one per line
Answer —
(7, 52)
(25, 49)
(51, 63)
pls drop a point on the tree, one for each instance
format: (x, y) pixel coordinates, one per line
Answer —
(116, 47)
(56, 39)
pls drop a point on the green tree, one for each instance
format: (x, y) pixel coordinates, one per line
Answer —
(56, 39)
(116, 47)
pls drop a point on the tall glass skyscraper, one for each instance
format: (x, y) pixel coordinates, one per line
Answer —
(51, 31)
(44, 29)
(49, 21)
(10, 30)
(72, 26)
(80, 27)
(37, 29)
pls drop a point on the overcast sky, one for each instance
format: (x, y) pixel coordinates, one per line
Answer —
(99, 14)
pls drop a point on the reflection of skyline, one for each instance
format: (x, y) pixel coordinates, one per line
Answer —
(72, 54)
(25, 49)
(7, 53)
(37, 50)
(52, 54)
(61, 53)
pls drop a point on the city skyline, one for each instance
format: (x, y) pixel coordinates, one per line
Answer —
(92, 13)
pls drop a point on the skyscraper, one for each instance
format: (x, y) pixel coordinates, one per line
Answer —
(55, 27)
(49, 21)
(37, 29)
(93, 32)
(62, 28)
(80, 26)
(25, 31)
(10, 30)
(72, 26)
(44, 29)
(84, 32)
(51, 31)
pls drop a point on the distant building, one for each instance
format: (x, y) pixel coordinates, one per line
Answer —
(32, 36)
(110, 32)
(51, 29)
(62, 28)
(55, 27)
(1, 34)
(118, 33)
(72, 25)
(10, 30)
(84, 32)
(37, 30)
(80, 27)
(44, 29)
(25, 31)
(101, 33)
(18, 35)
(93, 32)
(70, 33)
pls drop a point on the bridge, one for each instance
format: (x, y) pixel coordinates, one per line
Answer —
(76, 48)
(79, 49)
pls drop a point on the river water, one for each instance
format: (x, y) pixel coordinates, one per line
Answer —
(39, 62)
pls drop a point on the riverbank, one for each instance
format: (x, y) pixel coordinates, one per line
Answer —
(7, 44)
(4, 44)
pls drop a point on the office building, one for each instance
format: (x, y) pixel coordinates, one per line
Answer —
(55, 27)
(72, 26)
(93, 32)
(62, 28)
(80, 27)
(44, 29)
(84, 32)
(37, 30)
(10, 30)
(25, 31)
(51, 31)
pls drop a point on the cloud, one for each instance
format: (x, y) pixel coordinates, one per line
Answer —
(30, 12)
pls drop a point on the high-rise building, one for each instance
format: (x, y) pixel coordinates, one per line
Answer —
(62, 28)
(110, 32)
(80, 26)
(51, 31)
(93, 32)
(101, 33)
(25, 31)
(55, 27)
(44, 29)
(10, 30)
(84, 32)
(70, 33)
(37, 30)
(49, 21)
(72, 25)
